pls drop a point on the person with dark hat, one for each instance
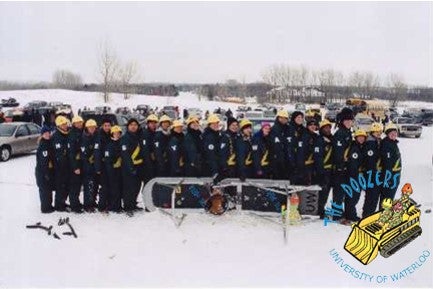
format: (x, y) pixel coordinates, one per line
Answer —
(372, 162)
(176, 150)
(103, 137)
(161, 141)
(296, 132)
(340, 147)
(193, 148)
(390, 162)
(62, 166)
(244, 159)
(131, 162)
(305, 154)
(261, 152)
(323, 164)
(74, 141)
(88, 150)
(355, 167)
(44, 170)
(211, 146)
(113, 166)
(228, 149)
(280, 159)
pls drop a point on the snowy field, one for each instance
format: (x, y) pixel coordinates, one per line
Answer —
(233, 250)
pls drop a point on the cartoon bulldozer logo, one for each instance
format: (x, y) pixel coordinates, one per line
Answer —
(386, 231)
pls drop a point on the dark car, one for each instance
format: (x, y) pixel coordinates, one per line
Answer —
(10, 102)
(427, 117)
(35, 104)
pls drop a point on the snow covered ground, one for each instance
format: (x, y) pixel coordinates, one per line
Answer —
(233, 250)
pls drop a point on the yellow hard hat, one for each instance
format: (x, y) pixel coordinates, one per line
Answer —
(177, 123)
(152, 117)
(77, 118)
(192, 119)
(376, 127)
(61, 120)
(325, 122)
(213, 119)
(360, 132)
(283, 113)
(309, 113)
(115, 128)
(91, 122)
(165, 118)
(244, 122)
(390, 126)
(387, 203)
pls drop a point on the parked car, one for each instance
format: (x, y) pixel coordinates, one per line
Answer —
(362, 121)
(12, 115)
(331, 115)
(10, 102)
(18, 138)
(427, 117)
(194, 111)
(35, 104)
(173, 114)
(300, 107)
(103, 109)
(123, 110)
(407, 127)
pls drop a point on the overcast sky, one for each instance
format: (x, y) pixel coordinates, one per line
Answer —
(210, 42)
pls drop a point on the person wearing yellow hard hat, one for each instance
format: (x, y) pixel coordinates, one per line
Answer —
(244, 150)
(355, 167)
(132, 165)
(323, 163)
(162, 139)
(147, 139)
(279, 146)
(113, 169)
(391, 162)
(305, 154)
(61, 163)
(193, 147)
(372, 161)
(228, 148)
(76, 179)
(176, 150)
(211, 147)
(89, 144)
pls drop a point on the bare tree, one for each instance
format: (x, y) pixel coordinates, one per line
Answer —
(127, 73)
(108, 68)
(398, 88)
(66, 79)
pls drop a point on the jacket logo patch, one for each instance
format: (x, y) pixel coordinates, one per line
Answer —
(144, 142)
(223, 145)
(83, 149)
(45, 153)
(210, 147)
(370, 153)
(339, 144)
(96, 146)
(300, 144)
(124, 148)
(107, 153)
(255, 147)
(276, 140)
(58, 145)
(355, 156)
(157, 144)
(173, 148)
(316, 149)
(289, 139)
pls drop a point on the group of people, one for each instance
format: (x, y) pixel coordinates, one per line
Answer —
(111, 165)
